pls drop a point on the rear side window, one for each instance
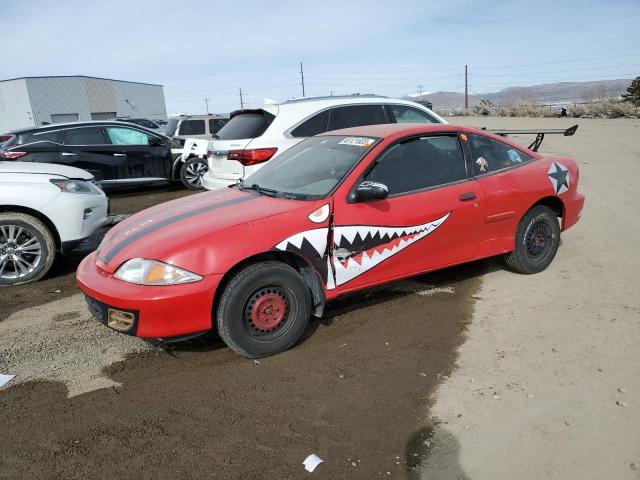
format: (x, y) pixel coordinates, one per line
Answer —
(215, 124)
(315, 125)
(83, 136)
(192, 127)
(420, 163)
(245, 125)
(33, 137)
(489, 155)
(406, 114)
(356, 116)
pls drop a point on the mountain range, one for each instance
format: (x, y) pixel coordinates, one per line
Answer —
(545, 94)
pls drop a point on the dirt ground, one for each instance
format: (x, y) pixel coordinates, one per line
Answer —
(547, 383)
(472, 372)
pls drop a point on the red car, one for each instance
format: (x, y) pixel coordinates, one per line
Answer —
(339, 212)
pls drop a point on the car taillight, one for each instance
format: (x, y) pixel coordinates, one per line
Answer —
(253, 156)
(12, 155)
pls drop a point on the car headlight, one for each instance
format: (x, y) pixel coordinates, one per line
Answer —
(153, 272)
(76, 186)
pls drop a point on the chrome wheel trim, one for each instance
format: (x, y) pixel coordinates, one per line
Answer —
(194, 173)
(20, 252)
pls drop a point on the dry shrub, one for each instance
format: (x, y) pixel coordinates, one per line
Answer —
(575, 111)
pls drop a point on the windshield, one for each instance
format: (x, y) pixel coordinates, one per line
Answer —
(312, 168)
(245, 125)
(172, 124)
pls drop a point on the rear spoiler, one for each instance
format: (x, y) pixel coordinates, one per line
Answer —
(540, 133)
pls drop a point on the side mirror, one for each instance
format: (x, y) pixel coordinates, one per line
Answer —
(371, 191)
(155, 141)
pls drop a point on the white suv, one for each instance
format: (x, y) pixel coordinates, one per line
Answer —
(252, 137)
(44, 208)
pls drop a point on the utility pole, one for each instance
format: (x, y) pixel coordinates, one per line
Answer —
(206, 102)
(420, 87)
(302, 78)
(241, 101)
(466, 89)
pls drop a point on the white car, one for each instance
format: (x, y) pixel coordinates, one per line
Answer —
(252, 137)
(44, 209)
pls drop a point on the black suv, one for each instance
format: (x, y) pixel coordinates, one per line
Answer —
(117, 154)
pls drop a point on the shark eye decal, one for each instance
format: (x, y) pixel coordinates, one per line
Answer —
(559, 177)
(320, 215)
(359, 248)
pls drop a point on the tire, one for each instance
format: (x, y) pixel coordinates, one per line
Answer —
(536, 241)
(33, 260)
(264, 310)
(192, 171)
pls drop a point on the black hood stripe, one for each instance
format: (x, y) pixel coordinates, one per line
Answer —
(157, 226)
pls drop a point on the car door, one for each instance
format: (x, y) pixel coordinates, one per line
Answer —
(88, 148)
(501, 171)
(430, 219)
(139, 156)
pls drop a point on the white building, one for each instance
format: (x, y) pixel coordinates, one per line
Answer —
(35, 101)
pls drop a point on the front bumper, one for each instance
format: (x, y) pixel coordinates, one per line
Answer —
(77, 216)
(160, 311)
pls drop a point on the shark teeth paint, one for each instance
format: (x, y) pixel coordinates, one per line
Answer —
(366, 246)
(371, 245)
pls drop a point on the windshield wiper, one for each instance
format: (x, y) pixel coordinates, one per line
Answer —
(264, 191)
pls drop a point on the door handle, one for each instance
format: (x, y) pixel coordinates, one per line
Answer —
(119, 154)
(465, 197)
(69, 154)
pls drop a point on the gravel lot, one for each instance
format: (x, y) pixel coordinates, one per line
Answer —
(472, 372)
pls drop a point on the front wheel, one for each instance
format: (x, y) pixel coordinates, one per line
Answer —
(536, 243)
(263, 310)
(27, 249)
(192, 172)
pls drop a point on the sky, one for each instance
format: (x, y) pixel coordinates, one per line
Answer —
(210, 49)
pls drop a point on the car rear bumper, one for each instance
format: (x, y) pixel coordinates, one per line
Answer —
(572, 210)
(158, 311)
(212, 183)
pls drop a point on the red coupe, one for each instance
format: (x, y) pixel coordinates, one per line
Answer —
(339, 212)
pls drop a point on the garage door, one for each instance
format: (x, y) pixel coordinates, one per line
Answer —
(64, 117)
(103, 116)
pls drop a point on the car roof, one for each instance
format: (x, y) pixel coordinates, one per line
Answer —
(385, 130)
(93, 123)
(315, 103)
(398, 130)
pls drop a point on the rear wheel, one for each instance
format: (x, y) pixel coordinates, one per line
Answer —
(192, 172)
(536, 243)
(263, 310)
(27, 249)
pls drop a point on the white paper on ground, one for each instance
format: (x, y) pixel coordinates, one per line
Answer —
(4, 379)
(311, 462)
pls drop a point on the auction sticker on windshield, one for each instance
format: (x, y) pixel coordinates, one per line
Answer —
(357, 141)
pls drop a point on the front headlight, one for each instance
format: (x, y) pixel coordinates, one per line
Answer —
(153, 272)
(76, 186)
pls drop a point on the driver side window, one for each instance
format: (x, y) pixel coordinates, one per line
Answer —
(420, 163)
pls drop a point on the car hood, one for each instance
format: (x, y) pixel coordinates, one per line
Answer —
(201, 231)
(8, 166)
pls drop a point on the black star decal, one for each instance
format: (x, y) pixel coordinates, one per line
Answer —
(560, 176)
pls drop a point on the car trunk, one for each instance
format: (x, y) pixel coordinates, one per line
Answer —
(243, 127)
